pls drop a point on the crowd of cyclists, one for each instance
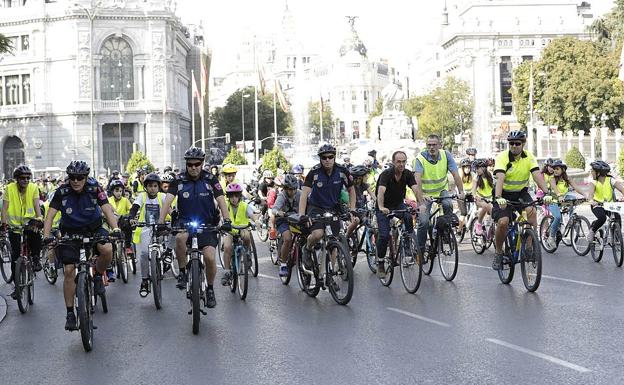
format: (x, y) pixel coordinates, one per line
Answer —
(326, 216)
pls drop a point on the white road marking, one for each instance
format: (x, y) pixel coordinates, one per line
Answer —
(268, 277)
(419, 317)
(543, 356)
(543, 276)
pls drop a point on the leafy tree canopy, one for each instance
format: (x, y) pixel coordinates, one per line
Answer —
(314, 116)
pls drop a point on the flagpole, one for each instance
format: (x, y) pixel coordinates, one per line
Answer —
(321, 114)
(164, 105)
(193, 110)
(275, 117)
(256, 123)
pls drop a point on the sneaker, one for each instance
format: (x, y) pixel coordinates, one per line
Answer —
(496, 263)
(273, 234)
(478, 227)
(111, 275)
(381, 270)
(181, 280)
(211, 301)
(144, 289)
(98, 285)
(590, 236)
(70, 322)
(283, 271)
(226, 278)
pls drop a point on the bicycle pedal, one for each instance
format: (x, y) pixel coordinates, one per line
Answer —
(94, 327)
(190, 312)
(203, 311)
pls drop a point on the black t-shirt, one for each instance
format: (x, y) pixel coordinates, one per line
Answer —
(395, 191)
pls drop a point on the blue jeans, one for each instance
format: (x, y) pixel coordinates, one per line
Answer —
(555, 211)
(383, 226)
(423, 220)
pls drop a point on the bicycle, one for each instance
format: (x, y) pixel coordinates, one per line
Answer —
(254, 253)
(441, 241)
(119, 262)
(337, 270)
(482, 242)
(471, 216)
(575, 228)
(240, 263)
(50, 269)
(5, 255)
(520, 247)
(364, 238)
(262, 225)
(298, 242)
(609, 234)
(155, 261)
(24, 272)
(402, 253)
(85, 299)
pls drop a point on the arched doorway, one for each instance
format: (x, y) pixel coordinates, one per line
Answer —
(13, 155)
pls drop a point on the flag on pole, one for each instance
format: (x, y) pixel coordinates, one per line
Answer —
(197, 95)
(261, 79)
(621, 74)
(280, 96)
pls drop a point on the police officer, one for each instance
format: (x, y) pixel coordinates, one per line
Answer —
(196, 191)
(81, 201)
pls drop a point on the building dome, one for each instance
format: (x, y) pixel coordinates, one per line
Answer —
(352, 43)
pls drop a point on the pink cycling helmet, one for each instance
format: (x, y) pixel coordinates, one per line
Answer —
(233, 188)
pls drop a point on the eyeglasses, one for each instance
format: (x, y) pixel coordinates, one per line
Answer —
(198, 164)
(78, 178)
(327, 157)
(515, 143)
(431, 144)
(24, 178)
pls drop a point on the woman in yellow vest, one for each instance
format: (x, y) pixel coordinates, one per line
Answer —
(467, 178)
(241, 214)
(601, 190)
(482, 188)
(147, 204)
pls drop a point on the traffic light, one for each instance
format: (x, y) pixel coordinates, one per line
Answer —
(227, 137)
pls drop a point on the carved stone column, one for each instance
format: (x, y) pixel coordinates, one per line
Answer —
(592, 144)
(604, 150)
(618, 138)
(581, 137)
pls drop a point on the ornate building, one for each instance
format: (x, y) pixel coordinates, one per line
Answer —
(93, 83)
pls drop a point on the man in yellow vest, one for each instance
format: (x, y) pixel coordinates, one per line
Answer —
(20, 207)
(512, 170)
(431, 170)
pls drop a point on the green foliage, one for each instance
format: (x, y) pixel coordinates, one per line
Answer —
(608, 30)
(573, 80)
(5, 44)
(574, 158)
(234, 157)
(620, 163)
(314, 116)
(275, 159)
(228, 118)
(377, 109)
(138, 160)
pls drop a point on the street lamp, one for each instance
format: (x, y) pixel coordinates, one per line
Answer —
(243, 97)
(91, 13)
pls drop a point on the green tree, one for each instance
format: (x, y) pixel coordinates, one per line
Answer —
(234, 157)
(572, 81)
(608, 30)
(275, 159)
(314, 117)
(414, 106)
(228, 118)
(5, 44)
(138, 160)
(377, 109)
(574, 158)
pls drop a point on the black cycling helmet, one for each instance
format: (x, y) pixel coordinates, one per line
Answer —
(516, 135)
(21, 170)
(326, 149)
(465, 163)
(480, 163)
(559, 163)
(78, 167)
(600, 166)
(359, 170)
(372, 153)
(291, 181)
(195, 153)
(549, 162)
(471, 151)
(168, 169)
(152, 177)
(116, 183)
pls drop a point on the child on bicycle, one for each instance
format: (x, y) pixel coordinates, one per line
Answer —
(601, 190)
(362, 189)
(467, 178)
(482, 189)
(241, 214)
(287, 203)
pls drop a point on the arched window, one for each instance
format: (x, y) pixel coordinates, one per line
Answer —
(116, 73)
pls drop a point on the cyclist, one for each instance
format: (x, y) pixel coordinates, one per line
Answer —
(431, 171)
(323, 186)
(196, 192)
(21, 206)
(81, 201)
(512, 169)
(373, 158)
(297, 171)
(361, 188)
(547, 173)
(482, 188)
(137, 185)
(286, 204)
(390, 193)
(471, 154)
(602, 189)
(166, 180)
(240, 213)
(467, 177)
(229, 174)
(346, 161)
(120, 204)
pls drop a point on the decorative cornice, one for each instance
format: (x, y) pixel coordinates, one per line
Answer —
(172, 19)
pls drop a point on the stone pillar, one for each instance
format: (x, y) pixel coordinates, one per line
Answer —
(559, 139)
(538, 140)
(592, 144)
(618, 137)
(530, 140)
(580, 141)
(569, 135)
(604, 150)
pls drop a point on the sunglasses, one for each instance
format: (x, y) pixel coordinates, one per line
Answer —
(198, 164)
(327, 157)
(515, 143)
(78, 178)
(24, 178)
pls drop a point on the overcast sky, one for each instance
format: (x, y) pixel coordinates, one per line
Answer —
(393, 29)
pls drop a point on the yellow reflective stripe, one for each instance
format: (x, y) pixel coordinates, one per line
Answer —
(430, 181)
(513, 182)
(440, 189)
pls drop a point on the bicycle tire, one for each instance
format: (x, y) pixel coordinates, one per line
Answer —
(132, 257)
(122, 263)
(174, 267)
(579, 231)
(531, 262)
(353, 248)
(371, 250)
(83, 308)
(243, 273)
(508, 267)
(450, 262)
(263, 228)
(544, 233)
(343, 273)
(103, 302)
(155, 277)
(220, 249)
(597, 246)
(254, 257)
(305, 280)
(49, 270)
(21, 288)
(195, 293)
(564, 224)
(478, 242)
(292, 257)
(409, 266)
(5, 265)
(274, 250)
(31, 286)
(618, 250)
(428, 255)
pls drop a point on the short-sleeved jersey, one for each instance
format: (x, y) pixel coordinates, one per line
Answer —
(395, 190)
(196, 198)
(517, 170)
(326, 187)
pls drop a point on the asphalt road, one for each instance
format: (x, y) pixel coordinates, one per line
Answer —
(474, 330)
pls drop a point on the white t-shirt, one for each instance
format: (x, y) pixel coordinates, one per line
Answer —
(152, 208)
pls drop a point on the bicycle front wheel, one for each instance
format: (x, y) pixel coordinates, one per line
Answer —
(616, 245)
(254, 257)
(428, 255)
(5, 263)
(243, 273)
(195, 293)
(21, 285)
(578, 236)
(448, 256)
(340, 272)
(83, 308)
(508, 267)
(220, 249)
(598, 245)
(49, 269)
(263, 228)
(371, 249)
(410, 267)
(544, 234)
(122, 263)
(155, 277)
(531, 260)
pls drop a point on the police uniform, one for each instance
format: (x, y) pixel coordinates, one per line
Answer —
(196, 201)
(517, 172)
(326, 190)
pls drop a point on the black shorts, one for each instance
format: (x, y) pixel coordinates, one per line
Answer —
(204, 239)
(70, 255)
(335, 226)
(508, 211)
